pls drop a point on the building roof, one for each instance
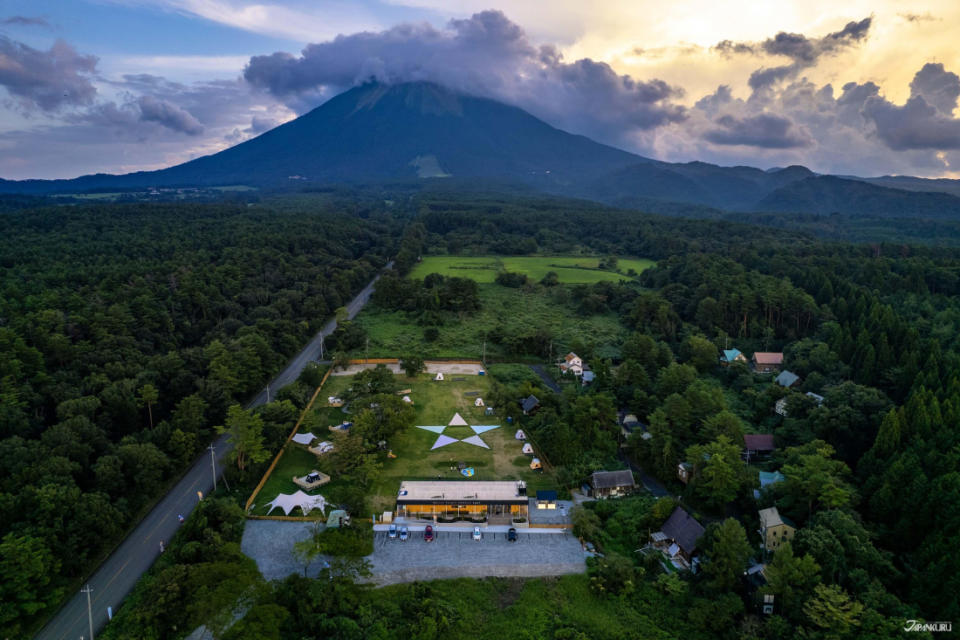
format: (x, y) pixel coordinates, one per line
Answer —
(787, 378)
(759, 441)
(684, 529)
(730, 354)
(816, 396)
(570, 356)
(416, 491)
(546, 495)
(530, 403)
(611, 479)
(768, 357)
(771, 477)
(770, 517)
(589, 376)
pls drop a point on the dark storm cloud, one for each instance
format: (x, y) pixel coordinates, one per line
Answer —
(26, 21)
(915, 125)
(802, 50)
(938, 87)
(259, 124)
(169, 115)
(763, 130)
(486, 55)
(48, 79)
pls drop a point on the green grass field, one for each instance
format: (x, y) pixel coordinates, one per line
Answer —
(435, 404)
(396, 332)
(570, 269)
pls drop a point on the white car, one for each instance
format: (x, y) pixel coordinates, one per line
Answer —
(393, 531)
(476, 534)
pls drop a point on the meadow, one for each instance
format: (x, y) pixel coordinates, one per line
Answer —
(569, 269)
(504, 311)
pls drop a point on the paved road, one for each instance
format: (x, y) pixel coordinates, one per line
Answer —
(649, 482)
(115, 578)
(547, 380)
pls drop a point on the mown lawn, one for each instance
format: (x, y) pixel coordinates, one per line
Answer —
(514, 311)
(569, 269)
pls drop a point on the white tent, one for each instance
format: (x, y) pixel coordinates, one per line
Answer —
(304, 438)
(457, 421)
(407, 399)
(520, 435)
(478, 402)
(439, 376)
(289, 501)
(528, 449)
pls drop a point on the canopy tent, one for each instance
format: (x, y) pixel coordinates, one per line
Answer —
(520, 435)
(434, 428)
(528, 449)
(478, 402)
(289, 501)
(457, 421)
(443, 441)
(475, 441)
(482, 428)
(304, 438)
(439, 376)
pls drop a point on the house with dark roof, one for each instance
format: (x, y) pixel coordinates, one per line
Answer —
(767, 361)
(546, 499)
(788, 379)
(757, 445)
(677, 538)
(611, 484)
(529, 405)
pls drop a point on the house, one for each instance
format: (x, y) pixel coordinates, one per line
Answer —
(767, 478)
(788, 379)
(780, 407)
(496, 501)
(588, 377)
(729, 356)
(684, 472)
(527, 449)
(611, 484)
(546, 499)
(478, 402)
(767, 362)
(775, 529)
(757, 445)
(529, 405)
(572, 363)
(816, 397)
(677, 538)
(631, 425)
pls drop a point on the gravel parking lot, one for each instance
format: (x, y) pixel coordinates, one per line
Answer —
(453, 554)
(431, 367)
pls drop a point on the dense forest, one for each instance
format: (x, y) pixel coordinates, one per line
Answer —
(127, 331)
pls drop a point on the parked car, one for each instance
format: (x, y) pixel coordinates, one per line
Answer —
(428, 534)
(476, 534)
(403, 533)
(393, 531)
(512, 534)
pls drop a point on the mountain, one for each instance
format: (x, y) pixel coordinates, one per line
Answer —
(419, 130)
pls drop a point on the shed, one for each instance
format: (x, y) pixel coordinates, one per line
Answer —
(530, 404)
(788, 379)
(605, 484)
(680, 529)
(758, 444)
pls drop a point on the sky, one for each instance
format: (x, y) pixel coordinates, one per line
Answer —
(851, 88)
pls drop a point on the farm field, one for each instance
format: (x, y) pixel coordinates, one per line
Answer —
(569, 269)
(514, 311)
(435, 404)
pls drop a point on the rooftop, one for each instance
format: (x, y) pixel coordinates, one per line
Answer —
(787, 378)
(458, 490)
(684, 529)
(610, 479)
(730, 354)
(759, 441)
(768, 357)
(770, 517)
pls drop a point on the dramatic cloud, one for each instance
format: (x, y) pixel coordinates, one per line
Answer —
(169, 115)
(485, 54)
(46, 79)
(938, 87)
(762, 130)
(26, 21)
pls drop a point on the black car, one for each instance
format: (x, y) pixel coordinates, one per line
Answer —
(512, 535)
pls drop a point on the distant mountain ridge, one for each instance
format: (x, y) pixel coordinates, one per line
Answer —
(376, 132)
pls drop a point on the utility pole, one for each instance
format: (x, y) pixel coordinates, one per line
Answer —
(213, 466)
(88, 590)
